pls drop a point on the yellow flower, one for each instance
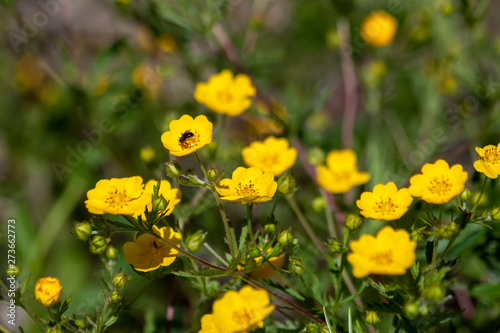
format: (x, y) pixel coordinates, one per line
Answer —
(172, 195)
(391, 252)
(48, 291)
(247, 185)
(271, 155)
(264, 270)
(340, 174)
(147, 253)
(438, 183)
(226, 94)
(118, 196)
(488, 161)
(187, 135)
(238, 311)
(385, 202)
(379, 28)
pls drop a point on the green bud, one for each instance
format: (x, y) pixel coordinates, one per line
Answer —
(475, 197)
(254, 252)
(98, 244)
(81, 323)
(318, 204)
(212, 174)
(316, 156)
(448, 231)
(495, 214)
(82, 230)
(111, 252)
(447, 9)
(54, 330)
(286, 184)
(120, 280)
(116, 296)
(334, 246)
(418, 235)
(424, 310)
(285, 237)
(296, 265)
(270, 227)
(195, 241)
(174, 169)
(353, 222)
(332, 39)
(311, 328)
(13, 270)
(411, 310)
(466, 194)
(160, 204)
(372, 317)
(433, 293)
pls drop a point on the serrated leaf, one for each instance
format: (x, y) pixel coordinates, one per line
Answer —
(205, 272)
(243, 236)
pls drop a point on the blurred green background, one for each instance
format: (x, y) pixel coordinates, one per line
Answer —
(85, 85)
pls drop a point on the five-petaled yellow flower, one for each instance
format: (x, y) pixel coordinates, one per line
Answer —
(340, 173)
(385, 202)
(118, 196)
(247, 185)
(147, 253)
(272, 155)
(48, 291)
(187, 135)
(391, 252)
(379, 28)
(172, 195)
(226, 94)
(438, 183)
(488, 161)
(238, 311)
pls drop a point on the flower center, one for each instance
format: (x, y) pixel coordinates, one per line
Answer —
(155, 248)
(385, 207)
(244, 318)
(224, 96)
(246, 190)
(382, 258)
(440, 186)
(117, 198)
(189, 139)
(491, 155)
(270, 159)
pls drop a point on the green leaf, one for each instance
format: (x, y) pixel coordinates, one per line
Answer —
(110, 321)
(486, 292)
(205, 272)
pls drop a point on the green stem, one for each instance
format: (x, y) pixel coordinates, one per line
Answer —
(480, 195)
(275, 202)
(249, 219)
(436, 242)
(32, 317)
(330, 220)
(209, 248)
(347, 236)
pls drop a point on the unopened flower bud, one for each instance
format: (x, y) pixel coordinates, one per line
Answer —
(372, 317)
(353, 222)
(81, 323)
(195, 241)
(318, 204)
(466, 194)
(334, 246)
(254, 252)
(120, 280)
(111, 252)
(433, 293)
(174, 169)
(13, 270)
(411, 310)
(447, 9)
(286, 183)
(98, 244)
(285, 237)
(212, 174)
(424, 310)
(54, 330)
(495, 214)
(82, 230)
(270, 227)
(448, 231)
(160, 204)
(418, 236)
(147, 154)
(316, 156)
(116, 296)
(296, 265)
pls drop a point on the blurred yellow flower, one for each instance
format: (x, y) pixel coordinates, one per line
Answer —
(271, 155)
(488, 161)
(147, 154)
(340, 173)
(146, 77)
(226, 94)
(391, 252)
(379, 28)
(172, 195)
(187, 135)
(48, 291)
(247, 185)
(147, 253)
(385, 202)
(238, 311)
(438, 183)
(118, 196)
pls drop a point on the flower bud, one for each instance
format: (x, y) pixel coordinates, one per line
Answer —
(147, 154)
(195, 241)
(286, 184)
(81, 323)
(433, 293)
(316, 156)
(82, 230)
(332, 39)
(270, 227)
(318, 204)
(254, 252)
(353, 222)
(296, 265)
(466, 194)
(98, 244)
(54, 330)
(111, 252)
(424, 310)
(372, 317)
(411, 310)
(448, 231)
(160, 204)
(120, 280)
(174, 169)
(13, 270)
(334, 246)
(495, 214)
(285, 237)
(212, 174)
(48, 291)
(116, 296)
(418, 235)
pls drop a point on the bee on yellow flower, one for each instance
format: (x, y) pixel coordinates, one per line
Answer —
(187, 135)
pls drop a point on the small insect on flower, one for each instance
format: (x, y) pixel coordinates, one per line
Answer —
(186, 135)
